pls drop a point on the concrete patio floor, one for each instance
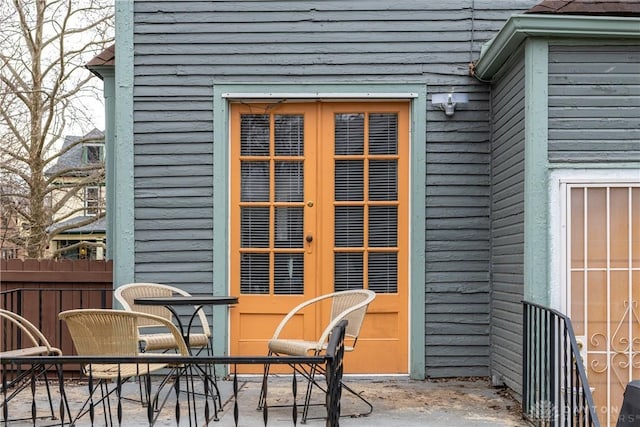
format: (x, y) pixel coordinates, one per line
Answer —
(397, 401)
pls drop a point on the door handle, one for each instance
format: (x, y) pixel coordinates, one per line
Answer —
(309, 239)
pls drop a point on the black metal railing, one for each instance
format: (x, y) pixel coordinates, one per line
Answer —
(201, 406)
(555, 390)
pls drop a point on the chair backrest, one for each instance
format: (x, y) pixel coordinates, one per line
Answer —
(351, 306)
(32, 337)
(104, 332)
(348, 305)
(126, 294)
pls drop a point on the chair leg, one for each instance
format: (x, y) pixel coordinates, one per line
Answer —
(263, 390)
(53, 416)
(177, 373)
(359, 396)
(41, 370)
(311, 382)
(345, 387)
(189, 381)
(106, 404)
(64, 403)
(89, 401)
(210, 377)
(211, 370)
(145, 392)
(142, 393)
(105, 393)
(23, 380)
(310, 376)
(18, 384)
(307, 397)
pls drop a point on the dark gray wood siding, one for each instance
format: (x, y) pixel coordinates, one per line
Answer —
(594, 99)
(507, 227)
(457, 246)
(183, 47)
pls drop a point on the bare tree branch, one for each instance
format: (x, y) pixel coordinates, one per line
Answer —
(44, 45)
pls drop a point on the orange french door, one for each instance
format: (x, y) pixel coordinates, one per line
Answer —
(319, 203)
(604, 284)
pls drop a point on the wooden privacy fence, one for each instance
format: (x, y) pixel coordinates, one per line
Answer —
(40, 289)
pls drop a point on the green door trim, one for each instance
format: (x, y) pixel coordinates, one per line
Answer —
(223, 93)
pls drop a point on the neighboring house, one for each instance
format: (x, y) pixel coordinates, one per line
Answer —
(80, 223)
(278, 150)
(12, 225)
(10, 232)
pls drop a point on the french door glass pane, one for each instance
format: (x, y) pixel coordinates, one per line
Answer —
(254, 181)
(289, 274)
(383, 269)
(289, 227)
(349, 134)
(254, 135)
(272, 195)
(349, 180)
(272, 192)
(254, 227)
(366, 195)
(383, 226)
(289, 135)
(383, 180)
(348, 271)
(289, 181)
(383, 133)
(254, 273)
(349, 226)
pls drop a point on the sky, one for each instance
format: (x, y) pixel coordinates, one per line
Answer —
(94, 109)
(90, 99)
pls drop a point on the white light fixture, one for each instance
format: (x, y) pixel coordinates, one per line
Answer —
(447, 101)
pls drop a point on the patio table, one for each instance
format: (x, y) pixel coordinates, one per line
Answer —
(170, 302)
(197, 301)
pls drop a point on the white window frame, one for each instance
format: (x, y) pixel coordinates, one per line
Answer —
(90, 210)
(85, 152)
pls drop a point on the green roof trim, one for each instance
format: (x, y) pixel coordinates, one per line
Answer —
(518, 27)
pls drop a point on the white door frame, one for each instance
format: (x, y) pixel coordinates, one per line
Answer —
(560, 184)
(559, 181)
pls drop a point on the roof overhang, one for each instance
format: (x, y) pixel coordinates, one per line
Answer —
(103, 64)
(518, 27)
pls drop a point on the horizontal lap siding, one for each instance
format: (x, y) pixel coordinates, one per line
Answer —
(507, 227)
(457, 245)
(457, 212)
(173, 190)
(594, 99)
(183, 47)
